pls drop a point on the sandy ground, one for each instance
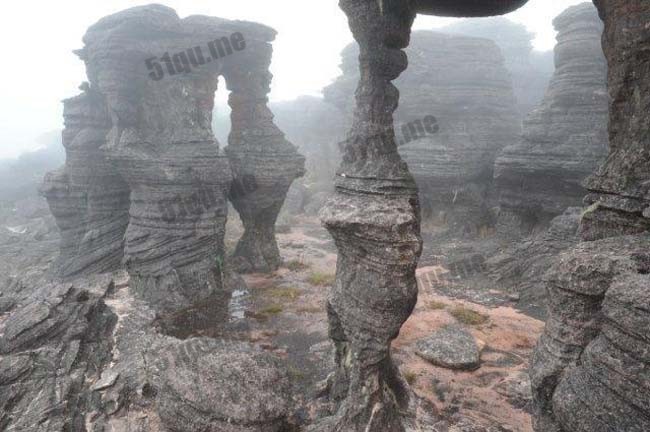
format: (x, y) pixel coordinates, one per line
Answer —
(285, 314)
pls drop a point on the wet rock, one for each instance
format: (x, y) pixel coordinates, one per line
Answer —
(229, 388)
(620, 189)
(588, 368)
(565, 138)
(452, 347)
(145, 183)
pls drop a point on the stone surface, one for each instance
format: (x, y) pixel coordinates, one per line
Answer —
(452, 347)
(620, 189)
(88, 355)
(565, 138)
(464, 84)
(589, 371)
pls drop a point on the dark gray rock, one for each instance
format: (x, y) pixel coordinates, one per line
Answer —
(619, 196)
(588, 371)
(451, 347)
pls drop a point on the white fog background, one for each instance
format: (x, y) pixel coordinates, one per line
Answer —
(39, 69)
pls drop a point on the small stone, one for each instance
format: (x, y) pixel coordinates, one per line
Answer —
(452, 347)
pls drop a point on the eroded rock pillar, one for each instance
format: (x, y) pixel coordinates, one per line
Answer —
(374, 217)
(263, 163)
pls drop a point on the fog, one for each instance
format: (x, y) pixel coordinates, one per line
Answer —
(41, 69)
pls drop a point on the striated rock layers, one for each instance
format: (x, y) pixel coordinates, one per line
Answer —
(463, 83)
(590, 369)
(85, 356)
(88, 197)
(530, 70)
(620, 190)
(141, 152)
(565, 139)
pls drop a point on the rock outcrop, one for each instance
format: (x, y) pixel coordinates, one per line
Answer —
(141, 153)
(530, 70)
(619, 192)
(590, 369)
(86, 355)
(565, 138)
(464, 84)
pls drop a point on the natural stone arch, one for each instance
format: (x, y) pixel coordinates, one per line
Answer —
(157, 76)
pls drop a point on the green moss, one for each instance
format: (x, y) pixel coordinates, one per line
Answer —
(295, 265)
(321, 279)
(436, 305)
(410, 377)
(468, 316)
(285, 293)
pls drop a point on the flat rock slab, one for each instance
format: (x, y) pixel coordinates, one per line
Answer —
(452, 347)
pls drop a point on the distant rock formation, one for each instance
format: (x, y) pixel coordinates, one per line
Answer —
(146, 155)
(530, 70)
(590, 369)
(565, 139)
(463, 83)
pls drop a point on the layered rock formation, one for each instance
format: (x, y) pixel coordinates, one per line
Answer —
(590, 369)
(139, 140)
(619, 195)
(463, 83)
(565, 139)
(88, 197)
(589, 372)
(259, 152)
(530, 70)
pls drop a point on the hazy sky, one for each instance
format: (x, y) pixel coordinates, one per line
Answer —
(38, 37)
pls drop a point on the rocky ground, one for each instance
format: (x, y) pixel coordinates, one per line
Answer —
(284, 312)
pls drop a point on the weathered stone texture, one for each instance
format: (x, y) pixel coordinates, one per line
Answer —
(88, 197)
